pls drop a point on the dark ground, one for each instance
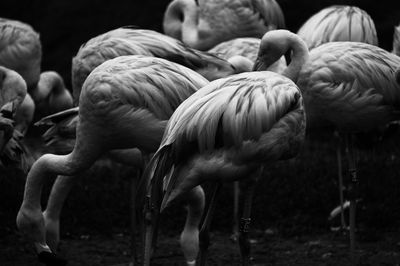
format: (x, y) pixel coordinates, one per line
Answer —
(289, 213)
(292, 202)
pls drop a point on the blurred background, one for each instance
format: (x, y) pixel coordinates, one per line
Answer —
(295, 198)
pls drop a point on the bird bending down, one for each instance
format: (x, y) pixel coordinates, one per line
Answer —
(338, 23)
(348, 86)
(206, 23)
(228, 131)
(125, 103)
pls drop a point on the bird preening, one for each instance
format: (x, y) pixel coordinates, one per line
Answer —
(223, 94)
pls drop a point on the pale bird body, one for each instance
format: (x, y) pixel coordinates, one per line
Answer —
(125, 103)
(338, 23)
(228, 131)
(131, 41)
(205, 23)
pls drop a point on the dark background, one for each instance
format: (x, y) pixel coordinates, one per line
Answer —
(294, 197)
(65, 25)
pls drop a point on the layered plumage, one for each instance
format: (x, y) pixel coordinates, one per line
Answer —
(351, 86)
(131, 41)
(205, 23)
(338, 23)
(125, 103)
(348, 86)
(125, 41)
(227, 131)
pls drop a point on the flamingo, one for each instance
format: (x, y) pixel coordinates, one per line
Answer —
(338, 23)
(242, 53)
(396, 41)
(121, 41)
(350, 86)
(205, 23)
(332, 24)
(227, 131)
(21, 50)
(125, 103)
(12, 94)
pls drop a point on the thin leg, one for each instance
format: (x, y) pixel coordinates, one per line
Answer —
(58, 195)
(236, 192)
(133, 186)
(353, 192)
(340, 179)
(245, 221)
(204, 237)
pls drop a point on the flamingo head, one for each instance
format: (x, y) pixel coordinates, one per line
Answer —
(273, 45)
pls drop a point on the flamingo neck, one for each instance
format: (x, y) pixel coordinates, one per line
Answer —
(299, 57)
(190, 236)
(172, 23)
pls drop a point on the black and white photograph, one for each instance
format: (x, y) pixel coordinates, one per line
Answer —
(200, 132)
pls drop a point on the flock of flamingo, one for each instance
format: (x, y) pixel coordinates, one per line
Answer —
(213, 99)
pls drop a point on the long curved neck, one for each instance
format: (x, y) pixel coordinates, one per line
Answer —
(299, 57)
(190, 31)
(172, 23)
(195, 208)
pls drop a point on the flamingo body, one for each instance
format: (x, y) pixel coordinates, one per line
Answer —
(124, 103)
(351, 86)
(130, 41)
(229, 128)
(338, 23)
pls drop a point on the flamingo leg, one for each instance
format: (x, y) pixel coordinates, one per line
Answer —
(151, 215)
(133, 186)
(236, 193)
(245, 221)
(204, 237)
(340, 180)
(58, 195)
(353, 192)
